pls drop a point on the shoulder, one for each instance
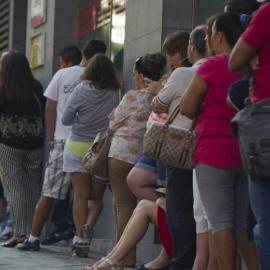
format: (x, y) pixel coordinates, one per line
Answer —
(213, 62)
(181, 72)
(263, 13)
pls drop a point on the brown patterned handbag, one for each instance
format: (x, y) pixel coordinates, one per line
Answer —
(170, 144)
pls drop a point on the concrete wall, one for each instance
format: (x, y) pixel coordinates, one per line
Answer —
(149, 22)
(18, 25)
(61, 30)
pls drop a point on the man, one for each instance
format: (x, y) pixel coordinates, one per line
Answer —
(179, 190)
(56, 183)
(61, 216)
(69, 56)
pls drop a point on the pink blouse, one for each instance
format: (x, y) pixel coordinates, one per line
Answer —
(215, 145)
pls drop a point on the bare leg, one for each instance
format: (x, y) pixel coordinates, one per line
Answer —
(162, 260)
(213, 263)
(202, 252)
(136, 228)
(226, 248)
(143, 183)
(42, 213)
(96, 201)
(247, 251)
(81, 185)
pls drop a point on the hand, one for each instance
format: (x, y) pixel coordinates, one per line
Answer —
(157, 107)
(152, 86)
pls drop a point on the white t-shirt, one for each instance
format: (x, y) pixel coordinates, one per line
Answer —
(59, 89)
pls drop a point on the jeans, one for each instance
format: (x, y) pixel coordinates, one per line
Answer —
(6, 220)
(260, 202)
(180, 219)
(62, 217)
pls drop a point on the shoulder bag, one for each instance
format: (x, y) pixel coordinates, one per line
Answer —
(96, 159)
(252, 126)
(170, 144)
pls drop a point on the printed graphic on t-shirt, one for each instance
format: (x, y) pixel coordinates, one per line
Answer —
(69, 88)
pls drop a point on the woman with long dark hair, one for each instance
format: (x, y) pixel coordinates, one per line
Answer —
(21, 139)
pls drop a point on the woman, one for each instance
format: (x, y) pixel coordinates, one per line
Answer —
(87, 111)
(128, 122)
(217, 159)
(255, 41)
(147, 174)
(145, 213)
(21, 139)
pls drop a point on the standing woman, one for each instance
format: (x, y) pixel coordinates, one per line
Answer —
(21, 139)
(129, 124)
(221, 181)
(87, 111)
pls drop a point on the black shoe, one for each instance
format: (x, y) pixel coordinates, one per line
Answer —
(6, 237)
(13, 243)
(51, 239)
(66, 235)
(26, 245)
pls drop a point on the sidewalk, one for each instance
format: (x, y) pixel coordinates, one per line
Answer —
(53, 257)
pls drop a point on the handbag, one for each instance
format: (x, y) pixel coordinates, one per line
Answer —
(252, 126)
(170, 144)
(96, 159)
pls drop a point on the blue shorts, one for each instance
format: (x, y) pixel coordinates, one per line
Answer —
(153, 166)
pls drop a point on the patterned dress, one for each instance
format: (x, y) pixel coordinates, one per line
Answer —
(129, 124)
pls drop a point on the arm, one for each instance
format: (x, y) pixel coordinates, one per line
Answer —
(51, 117)
(123, 111)
(70, 110)
(157, 107)
(174, 88)
(241, 57)
(193, 96)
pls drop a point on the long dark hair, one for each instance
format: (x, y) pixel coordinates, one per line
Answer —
(229, 24)
(101, 72)
(17, 81)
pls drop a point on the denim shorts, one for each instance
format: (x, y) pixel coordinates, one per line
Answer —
(153, 166)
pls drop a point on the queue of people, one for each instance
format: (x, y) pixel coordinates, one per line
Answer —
(201, 213)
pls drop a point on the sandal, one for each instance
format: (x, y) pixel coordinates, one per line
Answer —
(81, 248)
(88, 267)
(111, 264)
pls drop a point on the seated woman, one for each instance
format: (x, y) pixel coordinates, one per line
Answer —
(128, 122)
(146, 212)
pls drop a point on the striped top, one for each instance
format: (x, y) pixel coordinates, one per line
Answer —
(162, 118)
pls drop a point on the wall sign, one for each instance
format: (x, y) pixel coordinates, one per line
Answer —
(38, 12)
(37, 50)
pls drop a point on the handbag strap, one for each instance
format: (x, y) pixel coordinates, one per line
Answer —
(164, 128)
(39, 104)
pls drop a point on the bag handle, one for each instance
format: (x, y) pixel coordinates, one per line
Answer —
(164, 128)
(39, 104)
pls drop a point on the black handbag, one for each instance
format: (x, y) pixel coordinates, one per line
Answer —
(252, 126)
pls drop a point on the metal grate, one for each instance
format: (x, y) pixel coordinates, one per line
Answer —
(98, 13)
(4, 24)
